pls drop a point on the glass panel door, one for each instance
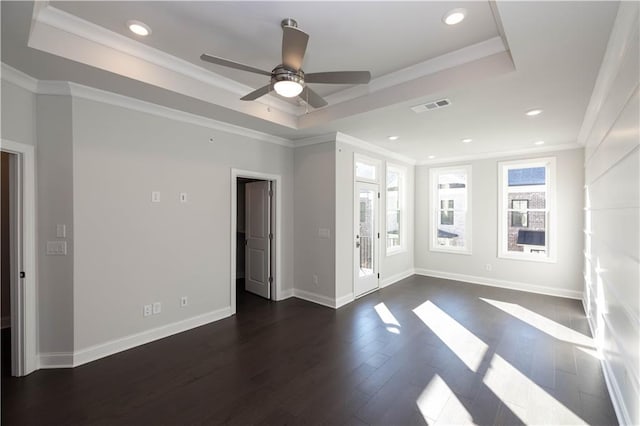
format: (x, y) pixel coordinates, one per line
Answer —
(366, 238)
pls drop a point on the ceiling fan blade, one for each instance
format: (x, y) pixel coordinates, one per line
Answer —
(231, 64)
(294, 44)
(312, 98)
(257, 93)
(339, 77)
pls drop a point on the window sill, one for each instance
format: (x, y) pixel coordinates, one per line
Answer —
(395, 251)
(527, 258)
(442, 250)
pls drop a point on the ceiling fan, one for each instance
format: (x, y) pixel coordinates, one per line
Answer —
(288, 79)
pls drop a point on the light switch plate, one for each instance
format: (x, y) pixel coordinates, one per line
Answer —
(183, 197)
(324, 233)
(56, 248)
(61, 231)
(155, 197)
(157, 308)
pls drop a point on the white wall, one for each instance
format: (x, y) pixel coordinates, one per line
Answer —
(314, 208)
(18, 114)
(130, 251)
(391, 267)
(54, 162)
(612, 228)
(562, 278)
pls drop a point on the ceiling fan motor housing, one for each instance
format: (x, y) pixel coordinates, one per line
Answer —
(283, 73)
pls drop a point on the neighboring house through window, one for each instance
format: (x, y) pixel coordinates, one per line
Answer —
(527, 209)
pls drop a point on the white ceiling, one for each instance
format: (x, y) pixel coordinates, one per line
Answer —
(555, 50)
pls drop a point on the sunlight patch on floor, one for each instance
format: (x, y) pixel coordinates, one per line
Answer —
(542, 323)
(438, 400)
(393, 326)
(461, 341)
(527, 400)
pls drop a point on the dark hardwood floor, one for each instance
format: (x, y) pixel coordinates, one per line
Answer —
(422, 351)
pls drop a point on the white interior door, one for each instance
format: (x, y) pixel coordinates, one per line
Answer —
(257, 234)
(367, 237)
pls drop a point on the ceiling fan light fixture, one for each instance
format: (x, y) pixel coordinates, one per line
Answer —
(288, 89)
(139, 28)
(454, 16)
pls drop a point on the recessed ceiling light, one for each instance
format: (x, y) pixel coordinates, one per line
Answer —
(538, 143)
(139, 28)
(454, 16)
(393, 138)
(431, 157)
(533, 112)
(467, 140)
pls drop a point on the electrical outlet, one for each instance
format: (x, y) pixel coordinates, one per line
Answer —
(146, 310)
(488, 267)
(184, 301)
(315, 279)
(157, 308)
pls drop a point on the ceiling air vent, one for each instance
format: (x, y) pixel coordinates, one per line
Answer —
(441, 103)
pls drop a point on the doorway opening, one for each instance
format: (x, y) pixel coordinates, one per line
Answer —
(18, 303)
(6, 182)
(253, 242)
(367, 238)
(255, 223)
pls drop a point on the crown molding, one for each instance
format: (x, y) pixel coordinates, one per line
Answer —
(63, 21)
(353, 141)
(430, 66)
(65, 88)
(18, 78)
(313, 140)
(510, 153)
(53, 87)
(624, 28)
(368, 146)
(93, 94)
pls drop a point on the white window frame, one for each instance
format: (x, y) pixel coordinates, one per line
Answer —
(359, 158)
(550, 208)
(434, 215)
(402, 182)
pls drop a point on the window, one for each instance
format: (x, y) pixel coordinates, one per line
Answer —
(526, 218)
(451, 210)
(519, 215)
(366, 169)
(395, 199)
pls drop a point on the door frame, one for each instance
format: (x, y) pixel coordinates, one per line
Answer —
(24, 321)
(276, 200)
(356, 231)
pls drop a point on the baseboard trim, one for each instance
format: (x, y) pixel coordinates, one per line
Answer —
(396, 277)
(93, 353)
(285, 294)
(55, 360)
(511, 285)
(344, 300)
(5, 322)
(314, 297)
